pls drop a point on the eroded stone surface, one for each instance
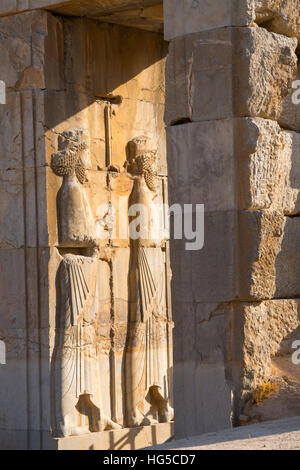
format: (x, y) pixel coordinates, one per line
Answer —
(190, 16)
(262, 174)
(267, 166)
(279, 16)
(142, 14)
(229, 72)
(290, 115)
(187, 16)
(67, 140)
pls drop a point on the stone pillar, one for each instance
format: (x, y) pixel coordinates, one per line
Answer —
(233, 145)
(24, 230)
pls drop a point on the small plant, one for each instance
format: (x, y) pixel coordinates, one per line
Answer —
(263, 392)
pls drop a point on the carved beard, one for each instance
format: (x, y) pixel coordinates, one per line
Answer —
(150, 178)
(144, 164)
(64, 161)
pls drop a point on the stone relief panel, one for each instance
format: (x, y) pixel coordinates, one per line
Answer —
(112, 358)
(144, 371)
(75, 368)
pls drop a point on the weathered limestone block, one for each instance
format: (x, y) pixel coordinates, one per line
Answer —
(121, 439)
(238, 260)
(287, 262)
(249, 356)
(257, 333)
(283, 319)
(14, 416)
(201, 164)
(143, 14)
(260, 243)
(227, 357)
(208, 275)
(263, 180)
(200, 368)
(190, 16)
(12, 288)
(244, 163)
(268, 172)
(229, 72)
(280, 16)
(23, 46)
(130, 77)
(10, 133)
(11, 209)
(290, 115)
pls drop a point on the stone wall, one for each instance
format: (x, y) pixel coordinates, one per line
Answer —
(75, 83)
(233, 145)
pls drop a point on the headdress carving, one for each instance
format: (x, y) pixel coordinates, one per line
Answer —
(142, 160)
(71, 144)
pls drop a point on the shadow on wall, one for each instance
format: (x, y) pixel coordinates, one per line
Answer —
(94, 60)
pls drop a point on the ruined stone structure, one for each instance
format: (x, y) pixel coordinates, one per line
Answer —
(234, 145)
(103, 112)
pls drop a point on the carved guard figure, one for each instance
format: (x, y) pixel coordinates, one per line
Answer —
(145, 378)
(75, 366)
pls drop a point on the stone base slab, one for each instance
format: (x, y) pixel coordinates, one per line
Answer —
(123, 439)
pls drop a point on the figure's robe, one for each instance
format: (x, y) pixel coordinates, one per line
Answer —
(76, 370)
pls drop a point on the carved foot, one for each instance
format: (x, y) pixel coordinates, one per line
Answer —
(109, 424)
(103, 423)
(79, 430)
(166, 414)
(137, 419)
(160, 405)
(66, 430)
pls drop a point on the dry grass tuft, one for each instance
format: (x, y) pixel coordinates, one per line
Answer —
(263, 392)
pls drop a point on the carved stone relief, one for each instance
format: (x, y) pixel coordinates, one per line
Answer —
(75, 369)
(147, 319)
(144, 359)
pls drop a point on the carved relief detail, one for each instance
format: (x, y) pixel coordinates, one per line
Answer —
(76, 407)
(147, 326)
(77, 384)
(76, 225)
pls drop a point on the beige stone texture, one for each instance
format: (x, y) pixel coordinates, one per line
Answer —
(279, 16)
(290, 115)
(232, 146)
(249, 355)
(245, 200)
(261, 235)
(256, 334)
(23, 50)
(202, 395)
(283, 319)
(246, 163)
(227, 357)
(247, 255)
(142, 14)
(83, 129)
(267, 166)
(201, 164)
(287, 262)
(123, 439)
(110, 90)
(229, 72)
(184, 17)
